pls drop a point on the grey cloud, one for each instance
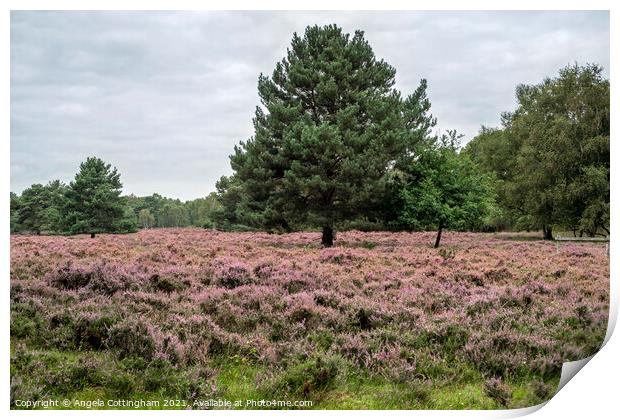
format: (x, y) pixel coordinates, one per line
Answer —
(164, 96)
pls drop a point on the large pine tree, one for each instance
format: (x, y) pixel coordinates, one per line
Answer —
(330, 126)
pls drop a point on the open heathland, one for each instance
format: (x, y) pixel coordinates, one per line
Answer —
(381, 320)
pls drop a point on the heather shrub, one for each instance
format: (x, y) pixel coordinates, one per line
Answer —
(363, 318)
(74, 375)
(417, 391)
(322, 339)
(495, 389)
(92, 330)
(497, 274)
(469, 278)
(542, 390)
(199, 384)
(336, 255)
(21, 357)
(394, 362)
(450, 338)
(446, 254)
(122, 384)
(69, 276)
(263, 269)
(101, 278)
(230, 273)
(168, 282)
(306, 379)
(20, 390)
(108, 280)
(132, 337)
(162, 377)
(154, 310)
(26, 320)
(326, 298)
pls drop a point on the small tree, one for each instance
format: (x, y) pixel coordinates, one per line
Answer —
(94, 203)
(441, 190)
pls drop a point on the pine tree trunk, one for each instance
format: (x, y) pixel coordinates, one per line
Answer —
(438, 236)
(327, 239)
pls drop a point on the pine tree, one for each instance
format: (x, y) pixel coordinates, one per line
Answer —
(329, 128)
(94, 203)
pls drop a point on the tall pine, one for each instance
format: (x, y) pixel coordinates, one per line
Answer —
(329, 127)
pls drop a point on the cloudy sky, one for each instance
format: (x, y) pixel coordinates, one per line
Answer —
(164, 96)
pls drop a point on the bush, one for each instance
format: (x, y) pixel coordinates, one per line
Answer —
(542, 390)
(304, 379)
(132, 338)
(108, 279)
(69, 277)
(74, 375)
(230, 273)
(121, 384)
(103, 278)
(93, 330)
(495, 389)
(168, 283)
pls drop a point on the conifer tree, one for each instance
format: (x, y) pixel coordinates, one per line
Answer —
(329, 126)
(93, 200)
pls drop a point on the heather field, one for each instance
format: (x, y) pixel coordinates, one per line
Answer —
(381, 320)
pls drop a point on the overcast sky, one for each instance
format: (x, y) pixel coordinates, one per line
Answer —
(164, 96)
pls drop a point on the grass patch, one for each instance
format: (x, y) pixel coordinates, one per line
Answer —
(328, 381)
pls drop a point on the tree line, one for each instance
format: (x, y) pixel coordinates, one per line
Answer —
(336, 147)
(92, 203)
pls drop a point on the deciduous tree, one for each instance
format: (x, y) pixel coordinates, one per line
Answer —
(441, 189)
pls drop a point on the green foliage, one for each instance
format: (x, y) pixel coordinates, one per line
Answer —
(146, 219)
(15, 223)
(440, 189)
(551, 157)
(39, 208)
(306, 379)
(201, 210)
(173, 215)
(158, 211)
(93, 200)
(492, 151)
(329, 126)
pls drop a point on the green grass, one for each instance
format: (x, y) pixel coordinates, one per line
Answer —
(330, 383)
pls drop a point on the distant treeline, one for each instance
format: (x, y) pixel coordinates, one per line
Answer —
(92, 203)
(337, 147)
